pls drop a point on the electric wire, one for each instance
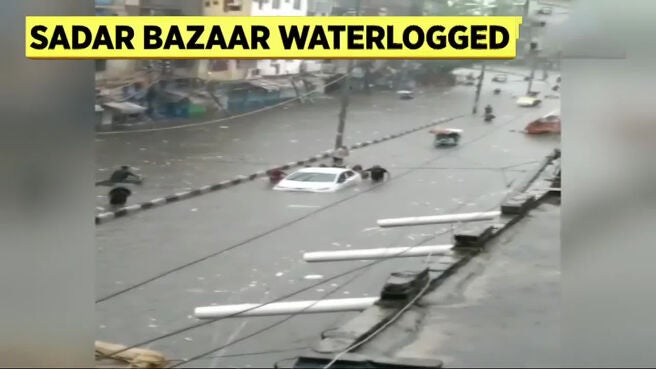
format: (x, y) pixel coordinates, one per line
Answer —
(284, 225)
(270, 326)
(311, 286)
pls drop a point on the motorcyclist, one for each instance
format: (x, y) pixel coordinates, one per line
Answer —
(124, 175)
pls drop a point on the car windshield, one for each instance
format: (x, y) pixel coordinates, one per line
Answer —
(312, 177)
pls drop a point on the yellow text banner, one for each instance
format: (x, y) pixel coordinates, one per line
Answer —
(153, 37)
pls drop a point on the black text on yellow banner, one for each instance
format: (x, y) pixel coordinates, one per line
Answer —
(271, 37)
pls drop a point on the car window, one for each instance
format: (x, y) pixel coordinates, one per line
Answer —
(349, 174)
(342, 178)
(311, 177)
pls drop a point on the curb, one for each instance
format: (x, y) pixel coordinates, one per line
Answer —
(158, 202)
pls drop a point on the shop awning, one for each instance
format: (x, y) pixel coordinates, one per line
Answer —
(126, 107)
(271, 84)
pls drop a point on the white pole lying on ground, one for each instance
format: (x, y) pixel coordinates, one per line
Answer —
(284, 308)
(437, 219)
(371, 254)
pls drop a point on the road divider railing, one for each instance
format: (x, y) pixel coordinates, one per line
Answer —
(161, 201)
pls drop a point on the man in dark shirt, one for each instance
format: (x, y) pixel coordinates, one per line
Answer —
(124, 175)
(377, 173)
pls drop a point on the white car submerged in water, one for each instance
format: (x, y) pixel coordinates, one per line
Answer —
(319, 180)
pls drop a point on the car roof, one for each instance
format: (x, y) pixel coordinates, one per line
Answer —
(446, 130)
(327, 170)
(527, 99)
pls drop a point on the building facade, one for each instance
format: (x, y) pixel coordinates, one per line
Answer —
(227, 70)
(212, 69)
(125, 69)
(279, 8)
(222, 69)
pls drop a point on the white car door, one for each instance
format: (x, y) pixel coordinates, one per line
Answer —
(351, 178)
(342, 181)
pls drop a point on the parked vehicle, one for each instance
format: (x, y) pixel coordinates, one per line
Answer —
(528, 101)
(405, 94)
(548, 124)
(501, 78)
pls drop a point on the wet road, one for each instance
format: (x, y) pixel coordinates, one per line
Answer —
(178, 160)
(264, 233)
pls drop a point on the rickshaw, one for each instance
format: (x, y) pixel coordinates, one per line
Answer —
(446, 136)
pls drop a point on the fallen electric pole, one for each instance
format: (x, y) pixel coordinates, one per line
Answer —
(372, 254)
(438, 219)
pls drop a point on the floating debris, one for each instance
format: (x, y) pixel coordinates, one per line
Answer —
(279, 274)
(313, 276)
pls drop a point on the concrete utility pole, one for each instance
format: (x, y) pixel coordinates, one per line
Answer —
(532, 53)
(346, 92)
(534, 57)
(478, 89)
